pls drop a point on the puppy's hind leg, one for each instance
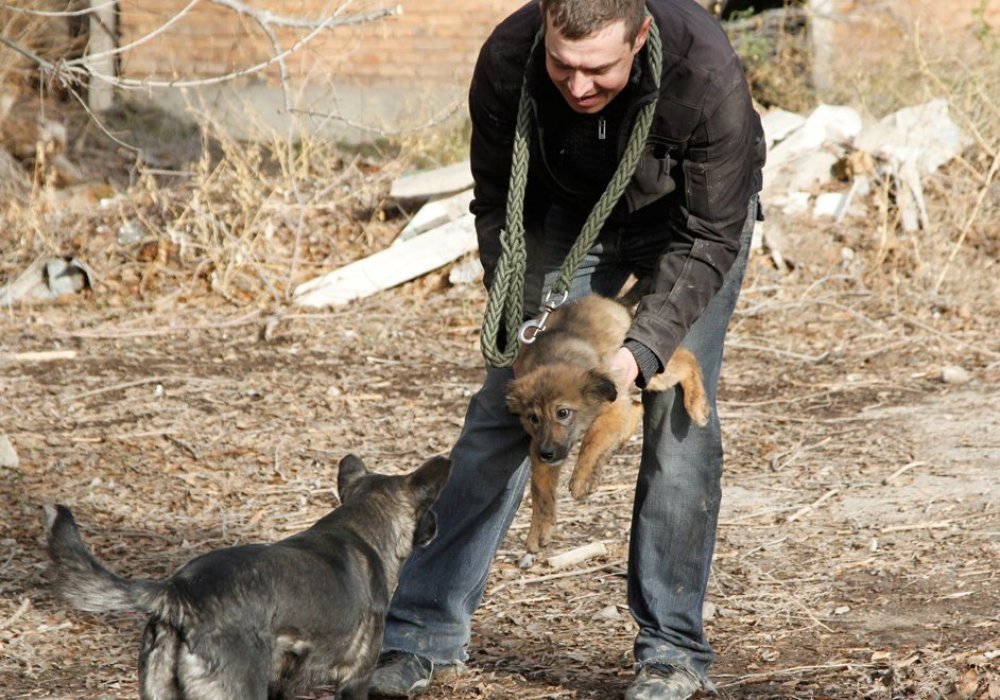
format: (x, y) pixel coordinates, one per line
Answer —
(544, 478)
(611, 429)
(683, 369)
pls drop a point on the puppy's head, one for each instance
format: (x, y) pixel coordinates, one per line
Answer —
(557, 404)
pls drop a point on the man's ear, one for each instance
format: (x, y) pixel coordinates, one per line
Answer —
(642, 36)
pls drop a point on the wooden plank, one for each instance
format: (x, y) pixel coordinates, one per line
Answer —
(387, 268)
(433, 183)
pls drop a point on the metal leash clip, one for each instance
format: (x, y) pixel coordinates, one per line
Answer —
(532, 327)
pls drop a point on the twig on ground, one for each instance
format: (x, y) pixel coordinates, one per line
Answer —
(812, 506)
(902, 470)
(552, 577)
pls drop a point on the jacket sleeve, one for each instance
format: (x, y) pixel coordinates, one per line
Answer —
(493, 115)
(721, 173)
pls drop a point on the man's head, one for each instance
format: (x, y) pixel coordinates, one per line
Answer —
(590, 46)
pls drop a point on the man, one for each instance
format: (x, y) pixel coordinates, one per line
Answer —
(681, 222)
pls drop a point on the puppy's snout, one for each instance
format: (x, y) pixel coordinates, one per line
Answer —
(552, 454)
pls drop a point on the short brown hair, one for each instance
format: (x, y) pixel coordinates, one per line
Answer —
(576, 19)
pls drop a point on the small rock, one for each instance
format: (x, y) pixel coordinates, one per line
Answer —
(707, 610)
(8, 455)
(955, 375)
(609, 613)
(466, 272)
(526, 561)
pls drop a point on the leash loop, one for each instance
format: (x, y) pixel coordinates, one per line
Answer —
(531, 328)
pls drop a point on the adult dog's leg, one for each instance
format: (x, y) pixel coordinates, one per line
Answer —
(355, 690)
(227, 666)
(611, 429)
(544, 479)
(158, 662)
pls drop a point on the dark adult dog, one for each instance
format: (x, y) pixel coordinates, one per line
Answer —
(564, 393)
(268, 620)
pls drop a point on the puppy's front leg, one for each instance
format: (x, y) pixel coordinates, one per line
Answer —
(609, 431)
(544, 478)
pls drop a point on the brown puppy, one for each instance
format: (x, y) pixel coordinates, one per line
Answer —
(564, 393)
(268, 621)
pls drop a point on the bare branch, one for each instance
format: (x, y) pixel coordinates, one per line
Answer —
(432, 121)
(140, 41)
(65, 13)
(333, 21)
(30, 55)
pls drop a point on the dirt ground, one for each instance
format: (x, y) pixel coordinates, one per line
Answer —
(859, 548)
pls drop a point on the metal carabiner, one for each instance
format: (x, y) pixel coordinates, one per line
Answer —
(532, 327)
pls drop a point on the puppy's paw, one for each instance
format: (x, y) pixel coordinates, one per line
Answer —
(580, 487)
(699, 412)
(538, 538)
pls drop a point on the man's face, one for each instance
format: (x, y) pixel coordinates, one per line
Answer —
(591, 71)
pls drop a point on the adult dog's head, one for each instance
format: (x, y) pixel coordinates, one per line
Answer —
(557, 404)
(400, 499)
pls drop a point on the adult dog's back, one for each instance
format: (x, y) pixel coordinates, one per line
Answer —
(265, 621)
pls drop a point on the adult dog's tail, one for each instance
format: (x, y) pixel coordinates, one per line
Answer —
(82, 580)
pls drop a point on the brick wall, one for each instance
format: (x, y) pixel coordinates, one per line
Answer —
(435, 42)
(431, 42)
(851, 36)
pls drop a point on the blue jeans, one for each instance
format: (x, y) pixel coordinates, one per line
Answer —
(677, 493)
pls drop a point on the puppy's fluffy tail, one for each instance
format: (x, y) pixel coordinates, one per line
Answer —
(82, 580)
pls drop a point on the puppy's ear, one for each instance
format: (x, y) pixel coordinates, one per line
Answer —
(600, 386)
(429, 479)
(352, 470)
(515, 397)
(426, 531)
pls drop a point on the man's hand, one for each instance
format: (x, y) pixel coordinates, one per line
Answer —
(624, 369)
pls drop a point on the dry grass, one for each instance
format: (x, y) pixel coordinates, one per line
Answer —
(857, 552)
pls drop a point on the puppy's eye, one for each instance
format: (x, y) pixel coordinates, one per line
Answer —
(563, 413)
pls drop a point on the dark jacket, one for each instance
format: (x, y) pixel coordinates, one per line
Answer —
(701, 165)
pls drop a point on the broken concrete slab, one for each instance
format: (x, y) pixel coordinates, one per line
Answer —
(925, 134)
(433, 183)
(804, 172)
(387, 268)
(827, 124)
(47, 279)
(436, 212)
(778, 124)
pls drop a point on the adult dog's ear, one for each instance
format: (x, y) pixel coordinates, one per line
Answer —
(429, 479)
(600, 386)
(352, 470)
(427, 528)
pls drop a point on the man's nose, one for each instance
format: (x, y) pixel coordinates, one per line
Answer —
(579, 84)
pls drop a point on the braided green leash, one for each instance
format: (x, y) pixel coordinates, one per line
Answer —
(505, 301)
